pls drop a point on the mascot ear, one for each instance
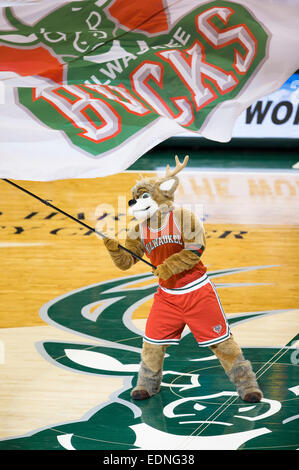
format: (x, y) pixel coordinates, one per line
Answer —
(167, 185)
(165, 188)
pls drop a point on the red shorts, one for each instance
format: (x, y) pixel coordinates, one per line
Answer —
(196, 305)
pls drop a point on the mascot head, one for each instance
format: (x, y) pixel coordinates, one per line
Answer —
(150, 195)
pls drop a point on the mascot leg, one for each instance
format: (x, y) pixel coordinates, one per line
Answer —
(150, 373)
(238, 370)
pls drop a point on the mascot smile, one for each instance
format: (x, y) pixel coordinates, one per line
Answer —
(143, 207)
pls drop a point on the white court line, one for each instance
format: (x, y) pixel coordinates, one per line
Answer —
(231, 399)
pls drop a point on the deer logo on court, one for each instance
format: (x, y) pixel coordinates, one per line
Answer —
(197, 407)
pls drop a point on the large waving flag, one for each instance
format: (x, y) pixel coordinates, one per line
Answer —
(87, 87)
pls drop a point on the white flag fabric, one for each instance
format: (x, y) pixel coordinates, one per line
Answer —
(87, 87)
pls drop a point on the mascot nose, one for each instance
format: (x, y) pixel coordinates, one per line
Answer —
(132, 202)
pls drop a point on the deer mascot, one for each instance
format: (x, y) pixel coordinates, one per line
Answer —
(174, 240)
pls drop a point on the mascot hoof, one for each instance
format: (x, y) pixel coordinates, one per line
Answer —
(253, 397)
(140, 394)
(244, 379)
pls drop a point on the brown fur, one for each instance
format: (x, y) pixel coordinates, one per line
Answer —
(191, 229)
(153, 356)
(142, 186)
(238, 369)
(228, 352)
(148, 383)
(150, 373)
(176, 264)
(164, 199)
(244, 379)
(122, 259)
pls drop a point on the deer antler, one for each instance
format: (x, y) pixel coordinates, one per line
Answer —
(178, 167)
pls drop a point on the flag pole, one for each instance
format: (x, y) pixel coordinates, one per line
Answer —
(47, 203)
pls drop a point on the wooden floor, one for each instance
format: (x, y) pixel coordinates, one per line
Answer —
(251, 220)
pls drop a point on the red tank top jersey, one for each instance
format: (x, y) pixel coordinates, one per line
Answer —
(161, 243)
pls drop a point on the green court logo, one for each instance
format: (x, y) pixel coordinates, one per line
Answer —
(197, 407)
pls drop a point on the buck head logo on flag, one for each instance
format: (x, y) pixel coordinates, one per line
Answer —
(88, 87)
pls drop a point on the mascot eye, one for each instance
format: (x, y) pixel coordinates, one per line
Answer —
(145, 195)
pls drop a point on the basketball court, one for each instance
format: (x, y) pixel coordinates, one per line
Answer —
(72, 324)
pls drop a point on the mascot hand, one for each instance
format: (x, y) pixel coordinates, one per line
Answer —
(163, 272)
(111, 244)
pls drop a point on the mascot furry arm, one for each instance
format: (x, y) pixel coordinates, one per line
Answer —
(161, 195)
(193, 236)
(122, 259)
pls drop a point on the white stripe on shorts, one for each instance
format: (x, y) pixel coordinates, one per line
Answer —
(161, 342)
(194, 285)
